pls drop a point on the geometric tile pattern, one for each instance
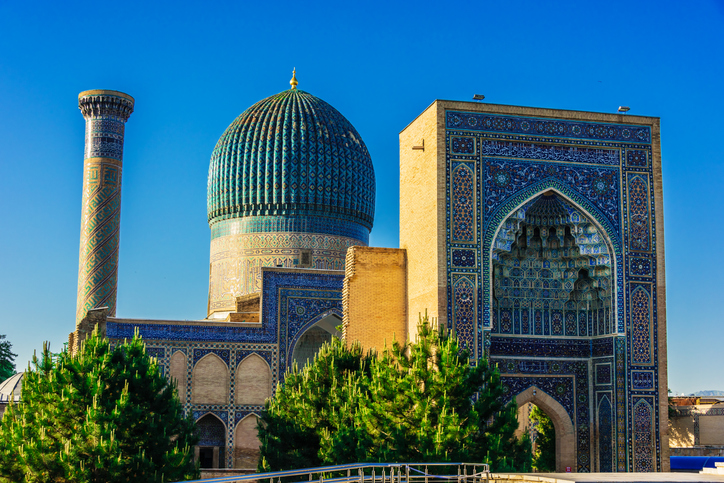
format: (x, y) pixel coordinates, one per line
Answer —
(293, 301)
(642, 433)
(605, 439)
(291, 154)
(551, 234)
(105, 114)
(237, 259)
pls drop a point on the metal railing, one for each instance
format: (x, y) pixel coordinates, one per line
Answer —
(370, 473)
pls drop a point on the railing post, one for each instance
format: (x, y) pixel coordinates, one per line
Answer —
(426, 474)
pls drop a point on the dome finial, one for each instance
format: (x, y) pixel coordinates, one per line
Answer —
(294, 81)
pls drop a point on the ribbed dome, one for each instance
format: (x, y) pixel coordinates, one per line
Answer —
(291, 154)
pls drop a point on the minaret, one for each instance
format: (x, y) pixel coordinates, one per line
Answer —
(105, 113)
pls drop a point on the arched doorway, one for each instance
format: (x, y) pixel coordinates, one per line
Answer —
(212, 441)
(312, 339)
(565, 434)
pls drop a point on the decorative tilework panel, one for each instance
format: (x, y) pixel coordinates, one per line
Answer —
(599, 185)
(547, 127)
(293, 224)
(603, 374)
(237, 260)
(642, 380)
(266, 355)
(602, 347)
(639, 266)
(463, 258)
(548, 152)
(636, 158)
(639, 225)
(222, 353)
(104, 138)
(640, 313)
(605, 435)
(540, 346)
(463, 145)
(211, 431)
(118, 330)
(463, 202)
(157, 352)
(464, 309)
(642, 436)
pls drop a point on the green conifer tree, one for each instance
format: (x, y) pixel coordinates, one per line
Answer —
(416, 402)
(7, 359)
(544, 458)
(428, 403)
(105, 414)
(311, 419)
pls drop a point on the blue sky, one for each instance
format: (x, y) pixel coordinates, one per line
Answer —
(194, 67)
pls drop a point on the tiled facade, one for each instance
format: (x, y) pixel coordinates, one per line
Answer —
(294, 300)
(105, 113)
(548, 223)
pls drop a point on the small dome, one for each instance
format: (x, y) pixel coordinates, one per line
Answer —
(291, 154)
(11, 387)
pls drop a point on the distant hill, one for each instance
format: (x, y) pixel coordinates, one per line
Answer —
(708, 393)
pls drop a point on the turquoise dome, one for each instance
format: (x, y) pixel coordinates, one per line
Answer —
(291, 154)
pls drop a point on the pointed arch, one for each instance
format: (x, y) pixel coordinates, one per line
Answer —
(605, 434)
(246, 442)
(512, 212)
(210, 381)
(308, 325)
(253, 384)
(565, 432)
(178, 374)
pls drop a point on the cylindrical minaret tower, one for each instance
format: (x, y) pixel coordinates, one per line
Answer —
(105, 113)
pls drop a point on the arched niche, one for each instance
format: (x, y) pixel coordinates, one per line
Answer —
(565, 432)
(308, 343)
(552, 271)
(246, 443)
(253, 381)
(212, 440)
(210, 381)
(177, 371)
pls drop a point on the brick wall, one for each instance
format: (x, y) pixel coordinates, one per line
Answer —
(422, 215)
(374, 296)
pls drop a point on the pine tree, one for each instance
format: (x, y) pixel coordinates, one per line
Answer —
(105, 414)
(429, 403)
(311, 419)
(544, 458)
(418, 402)
(7, 359)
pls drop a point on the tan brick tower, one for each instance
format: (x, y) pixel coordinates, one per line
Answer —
(105, 113)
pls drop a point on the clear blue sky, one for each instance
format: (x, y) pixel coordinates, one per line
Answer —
(194, 67)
